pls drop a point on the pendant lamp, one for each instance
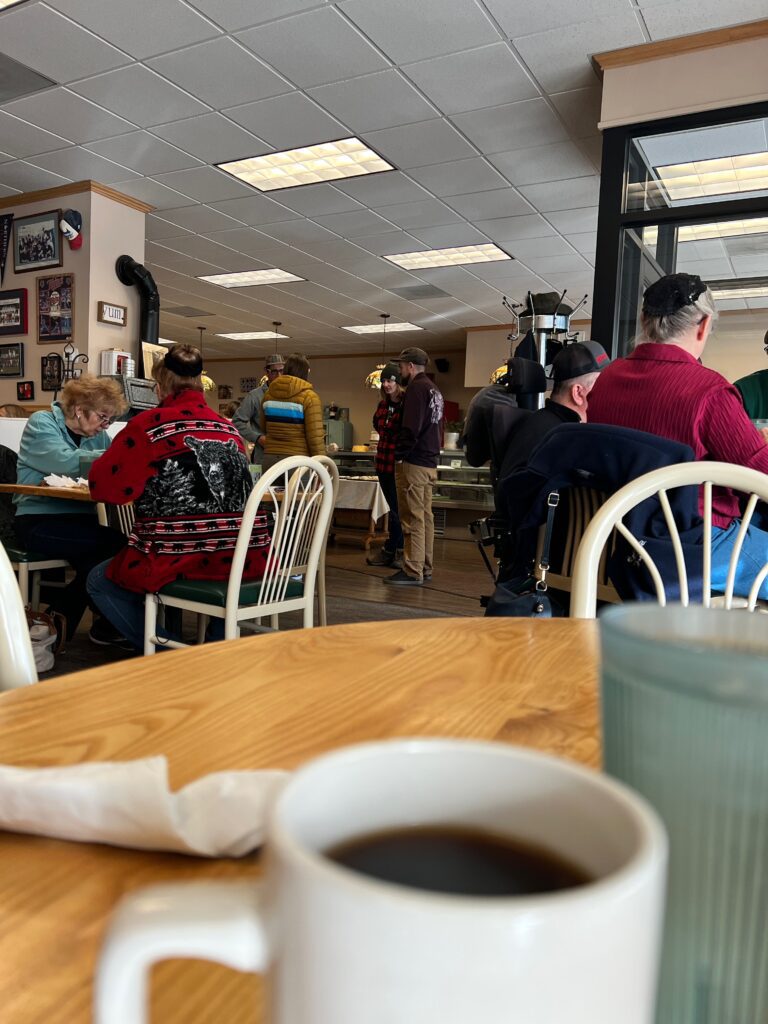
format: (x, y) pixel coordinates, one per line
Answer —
(373, 380)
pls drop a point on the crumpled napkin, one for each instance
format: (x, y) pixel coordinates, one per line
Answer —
(130, 804)
(64, 481)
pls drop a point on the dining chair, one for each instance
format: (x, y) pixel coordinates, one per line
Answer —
(333, 469)
(17, 662)
(300, 490)
(658, 483)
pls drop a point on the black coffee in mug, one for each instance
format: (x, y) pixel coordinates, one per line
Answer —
(457, 860)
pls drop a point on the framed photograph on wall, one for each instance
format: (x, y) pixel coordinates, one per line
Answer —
(25, 391)
(55, 308)
(51, 372)
(37, 242)
(13, 312)
(12, 360)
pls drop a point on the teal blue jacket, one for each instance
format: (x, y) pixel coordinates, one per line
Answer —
(46, 447)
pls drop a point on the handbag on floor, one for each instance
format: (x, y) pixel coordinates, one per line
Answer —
(528, 598)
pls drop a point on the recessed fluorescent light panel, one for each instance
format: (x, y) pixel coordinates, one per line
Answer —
(455, 257)
(724, 176)
(717, 229)
(754, 288)
(379, 328)
(252, 336)
(251, 277)
(328, 161)
(8, 3)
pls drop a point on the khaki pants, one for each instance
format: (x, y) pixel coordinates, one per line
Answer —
(414, 502)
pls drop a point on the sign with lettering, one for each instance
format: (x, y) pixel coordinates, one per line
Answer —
(109, 313)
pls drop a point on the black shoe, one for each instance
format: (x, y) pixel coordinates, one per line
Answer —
(383, 557)
(427, 574)
(402, 579)
(103, 634)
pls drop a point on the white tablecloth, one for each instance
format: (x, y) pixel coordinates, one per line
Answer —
(362, 494)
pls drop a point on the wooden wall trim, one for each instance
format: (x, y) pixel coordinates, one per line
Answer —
(681, 44)
(74, 188)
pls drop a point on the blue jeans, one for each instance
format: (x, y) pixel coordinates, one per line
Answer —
(125, 610)
(753, 556)
(394, 542)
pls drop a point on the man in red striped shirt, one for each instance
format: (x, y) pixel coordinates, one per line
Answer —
(662, 388)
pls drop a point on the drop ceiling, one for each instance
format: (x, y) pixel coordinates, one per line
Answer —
(486, 108)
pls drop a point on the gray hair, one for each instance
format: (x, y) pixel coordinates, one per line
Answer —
(563, 387)
(661, 329)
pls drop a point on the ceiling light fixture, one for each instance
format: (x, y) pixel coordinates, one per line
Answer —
(249, 278)
(382, 328)
(373, 380)
(9, 3)
(453, 257)
(746, 288)
(730, 175)
(253, 336)
(328, 161)
(717, 229)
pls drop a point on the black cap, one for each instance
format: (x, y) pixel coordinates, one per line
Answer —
(391, 372)
(672, 293)
(577, 359)
(413, 355)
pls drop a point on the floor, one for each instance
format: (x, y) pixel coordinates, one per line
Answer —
(355, 594)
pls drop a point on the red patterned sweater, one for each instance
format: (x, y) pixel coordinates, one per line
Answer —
(186, 471)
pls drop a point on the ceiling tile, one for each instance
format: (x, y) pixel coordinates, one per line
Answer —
(526, 249)
(357, 222)
(560, 60)
(63, 112)
(317, 200)
(450, 235)
(254, 209)
(286, 122)
(220, 72)
(213, 138)
(391, 243)
(205, 184)
(580, 109)
(140, 29)
(680, 19)
(314, 47)
(503, 202)
(21, 139)
(478, 78)
(297, 231)
(563, 195)
(201, 219)
(234, 14)
(458, 177)
(386, 189)
(47, 42)
(249, 241)
(6, 191)
(593, 150)
(414, 145)
(584, 242)
(518, 18)
(424, 213)
(381, 100)
(543, 163)
(156, 228)
(545, 265)
(510, 229)
(150, 191)
(140, 95)
(143, 153)
(569, 221)
(78, 165)
(511, 126)
(408, 31)
(27, 178)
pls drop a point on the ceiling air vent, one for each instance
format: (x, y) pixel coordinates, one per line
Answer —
(419, 291)
(189, 311)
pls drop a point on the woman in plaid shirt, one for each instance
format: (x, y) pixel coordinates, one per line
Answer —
(386, 422)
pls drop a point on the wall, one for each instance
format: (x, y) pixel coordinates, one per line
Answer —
(489, 348)
(340, 379)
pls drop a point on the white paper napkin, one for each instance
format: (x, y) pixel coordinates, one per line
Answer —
(64, 481)
(130, 804)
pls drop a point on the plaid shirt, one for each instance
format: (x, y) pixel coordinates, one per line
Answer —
(386, 423)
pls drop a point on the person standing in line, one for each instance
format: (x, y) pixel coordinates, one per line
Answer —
(247, 419)
(754, 390)
(387, 420)
(291, 414)
(416, 453)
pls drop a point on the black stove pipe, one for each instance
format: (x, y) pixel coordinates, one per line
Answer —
(130, 273)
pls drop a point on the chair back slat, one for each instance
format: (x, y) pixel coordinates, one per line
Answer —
(17, 661)
(677, 546)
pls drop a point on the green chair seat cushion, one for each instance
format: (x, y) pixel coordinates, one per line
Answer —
(21, 555)
(215, 591)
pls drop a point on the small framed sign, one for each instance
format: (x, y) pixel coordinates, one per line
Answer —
(55, 305)
(109, 313)
(12, 360)
(25, 391)
(13, 312)
(51, 372)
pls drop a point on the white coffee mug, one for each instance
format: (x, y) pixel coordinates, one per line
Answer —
(340, 947)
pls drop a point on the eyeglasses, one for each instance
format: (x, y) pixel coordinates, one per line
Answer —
(103, 418)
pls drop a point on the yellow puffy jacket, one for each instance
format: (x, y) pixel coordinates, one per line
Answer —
(292, 418)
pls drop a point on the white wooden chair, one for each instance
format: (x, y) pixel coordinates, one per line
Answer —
(333, 469)
(301, 491)
(17, 662)
(658, 483)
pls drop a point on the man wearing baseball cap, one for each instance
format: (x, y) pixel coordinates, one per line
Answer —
(247, 419)
(416, 453)
(574, 372)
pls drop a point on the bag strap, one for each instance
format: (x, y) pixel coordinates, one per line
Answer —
(543, 564)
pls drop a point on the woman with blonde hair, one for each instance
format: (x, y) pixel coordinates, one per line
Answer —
(185, 469)
(52, 442)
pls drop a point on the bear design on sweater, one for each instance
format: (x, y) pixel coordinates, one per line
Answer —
(225, 470)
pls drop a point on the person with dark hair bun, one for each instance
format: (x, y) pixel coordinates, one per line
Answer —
(291, 414)
(185, 469)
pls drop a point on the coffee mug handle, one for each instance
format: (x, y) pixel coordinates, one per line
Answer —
(219, 921)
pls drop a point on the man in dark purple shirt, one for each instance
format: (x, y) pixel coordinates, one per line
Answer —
(416, 453)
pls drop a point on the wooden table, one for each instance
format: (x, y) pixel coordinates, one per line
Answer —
(259, 702)
(44, 491)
